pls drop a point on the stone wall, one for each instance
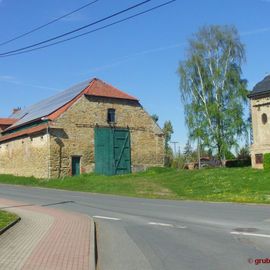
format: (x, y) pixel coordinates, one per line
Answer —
(261, 131)
(72, 134)
(26, 156)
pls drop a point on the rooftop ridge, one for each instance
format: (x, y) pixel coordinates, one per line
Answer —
(52, 107)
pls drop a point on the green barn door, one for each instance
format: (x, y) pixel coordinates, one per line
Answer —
(103, 151)
(112, 151)
(122, 151)
(76, 165)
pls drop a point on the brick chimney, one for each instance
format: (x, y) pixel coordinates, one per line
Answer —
(16, 110)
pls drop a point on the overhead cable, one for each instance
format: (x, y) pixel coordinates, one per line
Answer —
(48, 23)
(77, 29)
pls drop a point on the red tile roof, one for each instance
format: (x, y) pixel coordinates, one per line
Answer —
(102, 89)
(24, 132)
(95, 87)
(7, 121)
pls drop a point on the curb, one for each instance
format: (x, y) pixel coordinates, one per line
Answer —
(93, 255)
(9, 225)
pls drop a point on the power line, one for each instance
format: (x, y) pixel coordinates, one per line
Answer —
(48, 23)
(92, 31)
(77, 29)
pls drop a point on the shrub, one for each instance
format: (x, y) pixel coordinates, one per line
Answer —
(178, 163)
(238, 163)
(266, 161)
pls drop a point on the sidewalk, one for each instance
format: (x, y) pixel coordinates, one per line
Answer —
(46, 239)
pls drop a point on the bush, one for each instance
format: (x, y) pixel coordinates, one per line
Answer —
(266, 161)
(238, 163)
(168, 160)
(178, 163)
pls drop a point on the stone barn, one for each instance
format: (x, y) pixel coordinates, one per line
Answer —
(260, 113)
(90, 127)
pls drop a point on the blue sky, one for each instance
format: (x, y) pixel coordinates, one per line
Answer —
(140, 56)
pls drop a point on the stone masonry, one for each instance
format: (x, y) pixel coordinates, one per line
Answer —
(261, 130)
(48, 153)
(27, 156)
(73, 134)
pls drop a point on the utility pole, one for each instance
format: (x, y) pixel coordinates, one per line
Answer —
(174, 147)
(199, 153)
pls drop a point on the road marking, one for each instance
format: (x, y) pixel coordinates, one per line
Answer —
(160, 224)
(252, 234)
(181, 227)
(109, 218)
(167, 225)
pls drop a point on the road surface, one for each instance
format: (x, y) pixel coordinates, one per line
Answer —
(146, 234)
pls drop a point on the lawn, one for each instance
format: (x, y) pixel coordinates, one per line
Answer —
(6, 218)
(221, 184)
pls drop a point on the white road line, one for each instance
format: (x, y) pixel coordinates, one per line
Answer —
(181, 227)
(109, 218)
(160, 224)
(252, 234)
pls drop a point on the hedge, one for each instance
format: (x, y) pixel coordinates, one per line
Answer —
(238, 163)
(266, 161)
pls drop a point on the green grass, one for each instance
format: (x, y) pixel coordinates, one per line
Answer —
(221, 184)
(6, 218)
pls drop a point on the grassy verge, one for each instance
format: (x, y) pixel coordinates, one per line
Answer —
(6, 218)
(222, 184)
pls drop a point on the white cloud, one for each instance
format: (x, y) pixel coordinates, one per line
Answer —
(126, 58)
(255, 31)
(75, 17)
(6, 77)
(12, 80)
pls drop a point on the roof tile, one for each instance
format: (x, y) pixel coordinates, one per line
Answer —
(102, 89)
(24, 132)
(7, 121)
(54, 106)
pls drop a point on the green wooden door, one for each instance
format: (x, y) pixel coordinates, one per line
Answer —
(112, 151)
(122, 151)
(103, 151)
(76, 165)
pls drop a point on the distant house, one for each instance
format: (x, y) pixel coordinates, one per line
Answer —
(91, 126)
(260, 113)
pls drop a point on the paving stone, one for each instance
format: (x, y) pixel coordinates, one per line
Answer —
(45, 239)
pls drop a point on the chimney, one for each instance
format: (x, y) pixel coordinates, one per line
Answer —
(16, 110)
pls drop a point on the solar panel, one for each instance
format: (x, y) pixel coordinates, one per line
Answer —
(47, 106)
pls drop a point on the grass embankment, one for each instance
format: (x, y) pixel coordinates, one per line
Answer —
(6, 218)
(222, 184)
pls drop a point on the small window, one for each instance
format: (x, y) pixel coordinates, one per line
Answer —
(259, 158)
(111, 116)
(264, 118)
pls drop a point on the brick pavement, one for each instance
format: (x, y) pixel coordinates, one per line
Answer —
(45, 239)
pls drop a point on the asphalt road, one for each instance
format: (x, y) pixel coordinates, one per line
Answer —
(147, 234)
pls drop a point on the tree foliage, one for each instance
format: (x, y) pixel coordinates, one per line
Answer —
(168, 131)
(188, 152)
(212, 90)
(155, 117)
(243, 153)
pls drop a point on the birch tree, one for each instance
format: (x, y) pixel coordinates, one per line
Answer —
(211, 87)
